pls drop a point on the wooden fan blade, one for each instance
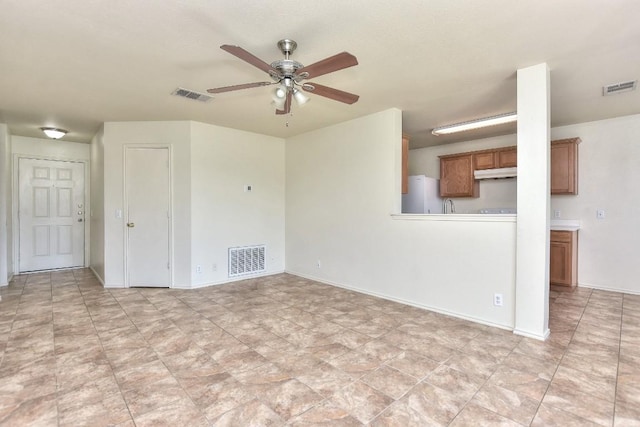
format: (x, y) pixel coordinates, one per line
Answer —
(329, 92)
(287, 105)
(238, 87)
(248, 57)
(329, 65)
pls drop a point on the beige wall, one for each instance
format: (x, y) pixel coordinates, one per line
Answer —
(223, 215)
(96, 213)
(342, 187)
(609, 156)
(6, 244)
(211, 212)
(117, 135)
(609, 173)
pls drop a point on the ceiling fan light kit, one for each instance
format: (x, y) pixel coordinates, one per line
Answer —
(476, 124)
(288, 75)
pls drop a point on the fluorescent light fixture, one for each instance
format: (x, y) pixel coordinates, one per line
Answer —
(476, 124)
(54, 133)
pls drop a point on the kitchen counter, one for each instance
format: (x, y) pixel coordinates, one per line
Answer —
(565, 225)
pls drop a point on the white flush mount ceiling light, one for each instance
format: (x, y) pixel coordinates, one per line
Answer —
(54, 133)
(476, 124)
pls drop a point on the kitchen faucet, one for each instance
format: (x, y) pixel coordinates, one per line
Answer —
(448, 205)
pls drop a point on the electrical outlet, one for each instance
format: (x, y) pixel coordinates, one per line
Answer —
(199, 269)
(600, 214)
(319, 264)
(497, 300)
(556, 213)
(214, 267)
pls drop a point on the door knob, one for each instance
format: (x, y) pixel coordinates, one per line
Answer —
(130, 224)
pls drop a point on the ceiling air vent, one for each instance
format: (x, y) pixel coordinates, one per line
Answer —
(619, 88)
(197, 96)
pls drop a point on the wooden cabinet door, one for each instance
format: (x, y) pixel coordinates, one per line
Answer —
(483, 161)
(456, 176)
(563, 258)
(405, 164)
(507, 158)
(564, 166)
(560, 262)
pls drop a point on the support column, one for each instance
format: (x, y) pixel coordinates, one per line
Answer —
(532, 259)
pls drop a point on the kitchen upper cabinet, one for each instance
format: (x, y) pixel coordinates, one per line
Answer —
(507, 157)
(563, 257)
(456, 176)
(484, 160)
(405, 164)
(564, 166)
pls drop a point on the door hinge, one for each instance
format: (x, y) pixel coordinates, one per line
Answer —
(168, 267)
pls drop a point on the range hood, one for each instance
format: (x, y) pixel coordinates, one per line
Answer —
(495, 173)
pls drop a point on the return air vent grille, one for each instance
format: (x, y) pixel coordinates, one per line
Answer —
(246, 260)
(619, 88)
(190, 94)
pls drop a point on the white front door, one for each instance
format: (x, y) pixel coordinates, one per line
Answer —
(51, 214)
(147, 192)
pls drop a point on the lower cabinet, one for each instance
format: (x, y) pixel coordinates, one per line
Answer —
(563, 258)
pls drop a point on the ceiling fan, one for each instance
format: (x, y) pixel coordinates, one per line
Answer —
(288, 75)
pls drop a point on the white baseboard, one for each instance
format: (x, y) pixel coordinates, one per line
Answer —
(403, 301)
(528, 334)
(609, 289)
(225, 281)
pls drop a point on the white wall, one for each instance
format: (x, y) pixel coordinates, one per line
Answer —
(343, 184)
(116, 136)
(608, 178)
(96, 213)
(50, 149)
(6, 245)
(494, 193)
(608, 170)
(223, 215)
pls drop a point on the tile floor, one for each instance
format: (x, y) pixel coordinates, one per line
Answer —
(283, 350)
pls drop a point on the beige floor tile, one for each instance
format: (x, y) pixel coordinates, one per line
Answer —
(290, 398)
(425, 405)
(361, 401)
(584, 405)
(522, 382)
(280, 348)
(325, 414)
(551, 416)
(508, 403)
(462, 384)
(474, 415)
(253, 413)
(390, 381)
(600, 387)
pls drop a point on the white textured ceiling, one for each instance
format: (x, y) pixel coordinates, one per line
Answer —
(78, 63)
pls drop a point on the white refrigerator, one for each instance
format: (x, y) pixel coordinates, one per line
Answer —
(423, 196)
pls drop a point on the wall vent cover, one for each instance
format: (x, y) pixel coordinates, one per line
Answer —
(619, 88)
(246, 260)
(190, 94)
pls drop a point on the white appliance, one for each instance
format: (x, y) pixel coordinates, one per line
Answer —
(423, 196)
